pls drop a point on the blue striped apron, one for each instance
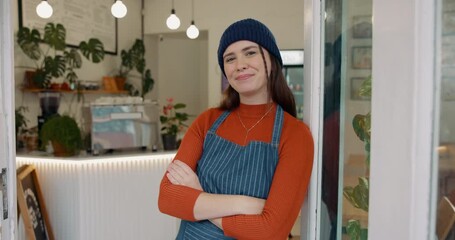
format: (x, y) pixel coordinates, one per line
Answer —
(228, 168)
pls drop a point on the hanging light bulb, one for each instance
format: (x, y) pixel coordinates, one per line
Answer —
(192, 31)
(44, 10)
(173, 22)
(118, 9)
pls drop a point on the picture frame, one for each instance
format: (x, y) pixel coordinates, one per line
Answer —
(361, 57)
(356, 83)
(448, 22)
(362, 26)
(31, 205)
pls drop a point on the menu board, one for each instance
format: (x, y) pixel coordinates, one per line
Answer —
(83, 19)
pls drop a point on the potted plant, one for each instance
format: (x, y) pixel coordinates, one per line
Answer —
(63, 133)
(56, 59)
(358, 196)
(134, 59)
(172, 122)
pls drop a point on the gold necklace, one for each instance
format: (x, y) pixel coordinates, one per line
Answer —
(254, 125)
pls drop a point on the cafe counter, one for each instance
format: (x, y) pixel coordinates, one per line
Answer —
(104, 197)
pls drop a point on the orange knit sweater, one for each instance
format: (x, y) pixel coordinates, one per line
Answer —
(290, 181)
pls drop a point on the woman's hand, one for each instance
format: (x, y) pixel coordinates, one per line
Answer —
(179, 173)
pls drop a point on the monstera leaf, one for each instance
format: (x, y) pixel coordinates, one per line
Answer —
(55, 36)
(29, 42)
(55, 66)
(73, 59)
(93, 50)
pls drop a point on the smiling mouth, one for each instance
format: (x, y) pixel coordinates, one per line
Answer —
(243, 76)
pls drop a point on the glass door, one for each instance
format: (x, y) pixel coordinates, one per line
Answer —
(445, 199)
(346, 119)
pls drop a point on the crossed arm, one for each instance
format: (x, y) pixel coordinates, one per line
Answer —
(212, 206)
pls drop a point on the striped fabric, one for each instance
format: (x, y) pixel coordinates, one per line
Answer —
(228, 168)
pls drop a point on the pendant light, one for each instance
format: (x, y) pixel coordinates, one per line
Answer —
(192, 32)
(44, 10)
(173, 22)
(118, 9)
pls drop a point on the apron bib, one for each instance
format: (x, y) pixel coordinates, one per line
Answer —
(228, 168)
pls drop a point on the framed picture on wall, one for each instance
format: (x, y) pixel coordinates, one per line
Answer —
(356, 83)
(32, 208)
(362, 27)
(361, 57)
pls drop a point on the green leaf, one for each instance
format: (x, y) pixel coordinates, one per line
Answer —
(55, 66)
(353, 229)
(147, 83)
(365, 88)
(93, 50)
(55, 36)
(163, 119)
(359, 125)
(179, 105)
(140, 65)
(71, 76)
(29, 42)
(359, 195)
(73, 58)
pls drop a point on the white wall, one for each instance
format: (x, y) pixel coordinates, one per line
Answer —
(183, 71)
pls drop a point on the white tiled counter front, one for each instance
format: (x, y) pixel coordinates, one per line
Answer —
(109, 197)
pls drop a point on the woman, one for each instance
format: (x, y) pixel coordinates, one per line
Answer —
(242, 169)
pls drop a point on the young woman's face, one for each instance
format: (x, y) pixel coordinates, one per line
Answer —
(245, 71)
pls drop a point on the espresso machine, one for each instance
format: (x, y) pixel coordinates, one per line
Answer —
(49, 103)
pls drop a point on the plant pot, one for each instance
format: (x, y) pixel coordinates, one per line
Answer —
(120, 82)
(29, 80)
(169, 141)
(60, 150)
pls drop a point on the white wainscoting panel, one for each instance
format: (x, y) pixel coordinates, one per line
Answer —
(104, 197)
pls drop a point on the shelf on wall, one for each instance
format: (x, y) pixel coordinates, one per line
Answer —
(37, 90)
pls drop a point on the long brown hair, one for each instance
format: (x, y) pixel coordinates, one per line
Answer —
(278, 90)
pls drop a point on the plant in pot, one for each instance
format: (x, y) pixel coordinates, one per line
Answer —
(51, 56)
(172, 122)
(134, 58)
(63, 133)
(358, 196)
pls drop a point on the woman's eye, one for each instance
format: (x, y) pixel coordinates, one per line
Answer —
(250, 53)
(229, 59)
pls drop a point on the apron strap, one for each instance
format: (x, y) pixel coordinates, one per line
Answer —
(218, 121)
(277, 125)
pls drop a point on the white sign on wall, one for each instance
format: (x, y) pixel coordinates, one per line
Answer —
(83, 19)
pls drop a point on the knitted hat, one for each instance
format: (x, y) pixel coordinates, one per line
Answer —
(251, 30)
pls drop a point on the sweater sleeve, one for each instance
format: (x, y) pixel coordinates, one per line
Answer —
(288, 190)
(179, 201)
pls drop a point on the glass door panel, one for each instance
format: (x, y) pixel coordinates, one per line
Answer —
(346, 127)
(446, 149)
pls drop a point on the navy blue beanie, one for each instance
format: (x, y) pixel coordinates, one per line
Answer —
(251, 30)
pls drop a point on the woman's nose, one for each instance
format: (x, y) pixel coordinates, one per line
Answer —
(241, 64)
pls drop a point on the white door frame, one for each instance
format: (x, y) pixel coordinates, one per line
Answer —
(402, 119)
(403, 109)
(313, 96)
(7, 138)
